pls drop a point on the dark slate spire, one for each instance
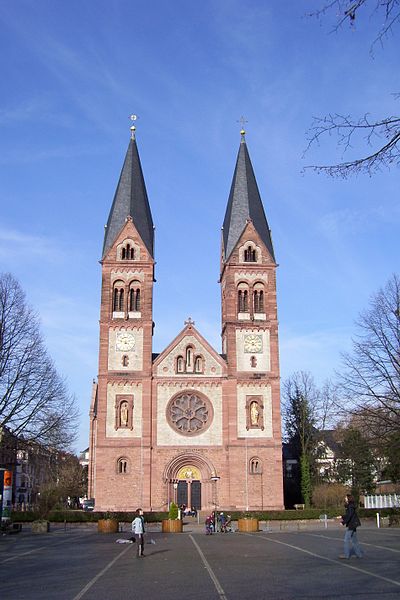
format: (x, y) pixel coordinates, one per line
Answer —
(130, 200)
(244, 203)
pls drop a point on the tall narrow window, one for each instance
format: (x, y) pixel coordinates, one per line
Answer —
(118, 297)
(250, 254)
(127, 252)
(243, 298)
(258, 301)
(134, 297)
(258, 298)
(240, 301)
(122, 466)
(137, 301)
(261, 300)
(189, 354)
(180, 364)
(121, 301)
(255, 466)
(198, 364)
(245, 301)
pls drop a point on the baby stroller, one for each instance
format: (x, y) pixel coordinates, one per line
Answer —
(228, 524)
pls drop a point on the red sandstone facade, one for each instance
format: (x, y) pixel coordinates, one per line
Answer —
(190, 425)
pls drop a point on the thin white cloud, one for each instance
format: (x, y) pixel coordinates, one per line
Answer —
(15, 245)
(35, 108)
(318, 352)
(350, 220)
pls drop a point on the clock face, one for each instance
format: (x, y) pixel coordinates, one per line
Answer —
(125, 341)
(253, 343)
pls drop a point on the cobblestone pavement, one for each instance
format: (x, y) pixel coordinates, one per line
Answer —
(280, 565)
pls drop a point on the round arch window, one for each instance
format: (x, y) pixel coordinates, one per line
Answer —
(190, 413)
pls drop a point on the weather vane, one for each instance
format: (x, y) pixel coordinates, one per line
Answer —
(133, 128)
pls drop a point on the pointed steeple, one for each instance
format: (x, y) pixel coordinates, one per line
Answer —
(130, 200)
(244, 203)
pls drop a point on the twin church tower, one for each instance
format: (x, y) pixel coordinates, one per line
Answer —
(188, 425)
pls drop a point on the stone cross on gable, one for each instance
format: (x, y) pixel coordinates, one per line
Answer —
(189, 321)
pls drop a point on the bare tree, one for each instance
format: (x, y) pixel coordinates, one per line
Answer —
(348, 11)
(381, 136)
(371, 376)
(34, 401)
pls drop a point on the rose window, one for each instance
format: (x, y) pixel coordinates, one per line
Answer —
(189, 413)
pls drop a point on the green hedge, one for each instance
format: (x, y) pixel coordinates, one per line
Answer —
(284, 515)
(24, 517)
(78, 516)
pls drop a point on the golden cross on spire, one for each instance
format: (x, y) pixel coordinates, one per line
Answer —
(242, 121)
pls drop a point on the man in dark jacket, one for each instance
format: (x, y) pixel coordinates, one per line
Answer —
(351, 521)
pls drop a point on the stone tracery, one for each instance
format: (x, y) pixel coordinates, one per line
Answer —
(189, 413)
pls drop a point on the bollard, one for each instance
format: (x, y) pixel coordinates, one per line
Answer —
(378, 521)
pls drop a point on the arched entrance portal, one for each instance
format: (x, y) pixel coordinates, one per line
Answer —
(188, 481)
(189, 487)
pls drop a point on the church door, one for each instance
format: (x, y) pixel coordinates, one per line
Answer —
(182, 495)
(196, 495)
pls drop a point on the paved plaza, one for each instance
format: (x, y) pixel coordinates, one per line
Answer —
(278, 565)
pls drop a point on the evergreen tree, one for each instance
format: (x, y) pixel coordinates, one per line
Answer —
(301, 398)
(356, 464)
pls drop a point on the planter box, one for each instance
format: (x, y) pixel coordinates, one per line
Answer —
(172, 526)
(249, 525)
(107, 526)
(40, 526)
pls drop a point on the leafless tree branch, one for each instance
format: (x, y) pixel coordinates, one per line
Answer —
(347, 11)
(371, 377)
(348, 132)
(381, 136)
(34, 400)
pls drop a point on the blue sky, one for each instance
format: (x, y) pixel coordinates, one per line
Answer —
(72, 73)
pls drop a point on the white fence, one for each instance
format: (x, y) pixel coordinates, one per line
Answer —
(382, 501)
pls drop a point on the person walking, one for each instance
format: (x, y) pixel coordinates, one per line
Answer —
(351, 521)
(138, 530)
(209, 525)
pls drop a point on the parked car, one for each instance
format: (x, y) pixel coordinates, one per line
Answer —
(88, 504)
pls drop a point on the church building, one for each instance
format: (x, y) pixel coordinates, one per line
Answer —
(188, 425)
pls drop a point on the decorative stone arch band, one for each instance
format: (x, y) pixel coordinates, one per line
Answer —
(185, 462)
(200, 462)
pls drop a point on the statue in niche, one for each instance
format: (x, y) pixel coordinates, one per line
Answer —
(124, 414)
(254, 414)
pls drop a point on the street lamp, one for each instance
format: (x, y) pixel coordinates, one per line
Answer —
(215, 478)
